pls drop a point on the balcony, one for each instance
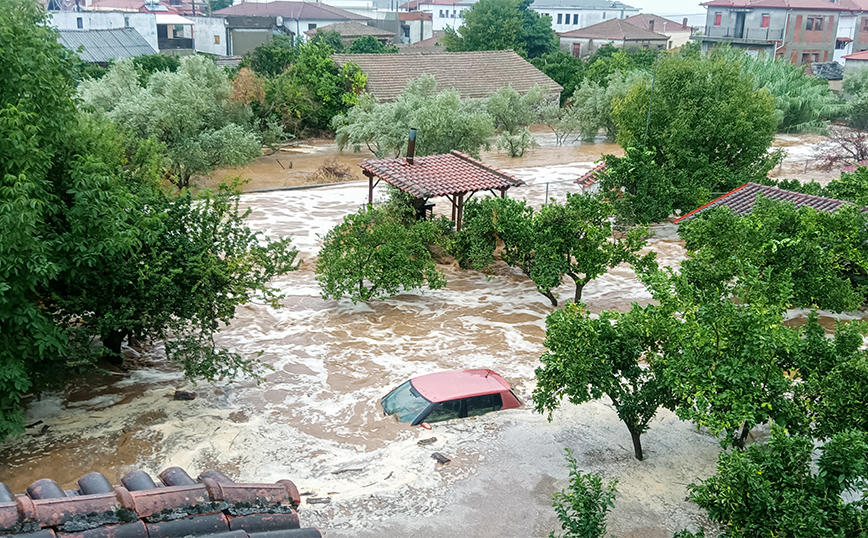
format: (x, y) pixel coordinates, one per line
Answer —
(177, 43)
(748, 35)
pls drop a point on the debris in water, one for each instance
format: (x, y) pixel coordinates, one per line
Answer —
(319, 500)
(440, 458)
(42, 432)
(423, 442)
(307, 493)
(342, 471)
(184, 395)
(35, 424)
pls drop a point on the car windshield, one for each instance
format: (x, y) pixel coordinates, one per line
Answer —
(405, 402)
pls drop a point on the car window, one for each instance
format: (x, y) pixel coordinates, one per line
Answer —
(444, 411)
(405, 402)
(479, 405)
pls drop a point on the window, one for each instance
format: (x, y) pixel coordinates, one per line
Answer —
(311, 26)
(865, 24)
(604, 15)
(126, 21)
(717, 18)
(441, 14)
(765, 21)
(814, 23)
(479, 405)
(560, 18)
(840, 44)
(216, 39)
(577, 50)
(575, 19)
(79, 22)
(444, 411)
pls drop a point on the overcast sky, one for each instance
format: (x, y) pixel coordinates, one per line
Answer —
(673, 9)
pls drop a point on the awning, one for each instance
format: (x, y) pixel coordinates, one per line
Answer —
(171, 18)
(844, 39)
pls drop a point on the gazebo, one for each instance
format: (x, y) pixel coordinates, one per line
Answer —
(455, 175)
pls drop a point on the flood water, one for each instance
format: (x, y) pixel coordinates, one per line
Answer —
(315, 420)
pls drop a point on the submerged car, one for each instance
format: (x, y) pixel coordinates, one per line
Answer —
(450, 394)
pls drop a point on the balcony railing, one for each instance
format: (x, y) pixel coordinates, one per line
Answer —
(175, 43)
(747, 34)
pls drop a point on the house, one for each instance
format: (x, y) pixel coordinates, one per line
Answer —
(251, 24)
(742, 200)
(802, 31)
(474, 75)
(103, 46)
(855, 62)
(570, 15)
(144, 23)
(416, 27)
(432, 44)
(583, 42)
(444, 13)
(351, 30)
(679, 32)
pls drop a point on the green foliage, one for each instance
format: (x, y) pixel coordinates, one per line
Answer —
(709, 128)
(802, 102)
(373, 254)
(592, 103)
(823, 254)
(152, 63)
(646, 188)
(583, 506)
(851, 186)
(503, 25)
(517, 143)
(512, 114)
(855, 86)
(565, 69)
(443, 120)
(371, 45)
(609, 60)
(216, 5)
(587, 358)
(772, 490)
(575, 239)
(330, 38)
(90, 247)
(190, 111)
(272, 59)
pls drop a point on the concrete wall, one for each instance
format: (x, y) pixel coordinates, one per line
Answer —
(144, 23)
(209, 35)
(802, 46)
(587, 47)
(574, 18)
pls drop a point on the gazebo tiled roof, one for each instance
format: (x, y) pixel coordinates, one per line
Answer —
(742, 200)
(591, 176)
(439, 175)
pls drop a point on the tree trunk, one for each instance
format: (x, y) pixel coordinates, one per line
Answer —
(578, 298)
(551, 296)
(738, 441)
(113, 342)
(637, 443)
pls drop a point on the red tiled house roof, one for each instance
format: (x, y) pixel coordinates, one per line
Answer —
(474, 75)
(742, 200)
(661, 24)
(290, 10)
(616, 30)
(211, 505)
(439, 175)
(590, 177)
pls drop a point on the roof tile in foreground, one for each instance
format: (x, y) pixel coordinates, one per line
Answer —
(591, 176)
(177, 506)
(742, 200)
(440, 175)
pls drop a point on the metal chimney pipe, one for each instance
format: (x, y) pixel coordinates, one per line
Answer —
(651, 25)
(684, 23)
(411, 146)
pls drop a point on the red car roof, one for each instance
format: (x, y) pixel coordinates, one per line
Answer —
(454, 384)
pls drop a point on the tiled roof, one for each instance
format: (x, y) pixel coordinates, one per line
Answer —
(615, 29)
(642, 20)
(105, 45)
(857, 56)
(415, 16)
(178, 507)
(439, 175)
(590, 177)
(473, 74)
(840, 5)
(430, 43)
(351, 29)
(291, 10)
(742, 199)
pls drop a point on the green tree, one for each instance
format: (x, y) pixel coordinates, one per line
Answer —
(330, 38)
(576, 240)
(373, 254)
(370, 45)
(190, 111)
(708, 126)
(443, 120)
(593, 102)
(564, 68)
(513, 113)
(646, 188)
(772, 489)
(273, 58)
(583, 506)
(587, 358)
(503, 25)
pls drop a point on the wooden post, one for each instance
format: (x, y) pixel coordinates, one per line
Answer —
(454, 204)
(503, 193)
(370, 187)
(460, 211)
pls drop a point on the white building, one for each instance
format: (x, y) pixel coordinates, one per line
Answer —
(574, 14)
(144, 23)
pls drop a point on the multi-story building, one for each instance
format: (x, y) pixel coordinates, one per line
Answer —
(574, 14)
(802, 31)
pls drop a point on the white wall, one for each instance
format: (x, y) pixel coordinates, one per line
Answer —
(144, 23)
(846, 28)
(205, 31)
(586, 17)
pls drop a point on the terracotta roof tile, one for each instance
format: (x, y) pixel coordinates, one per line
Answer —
(615, 29)
(290, 10)
(742, 199)
(474, 75)
(439, 175)
(351, 29)
(590, 177)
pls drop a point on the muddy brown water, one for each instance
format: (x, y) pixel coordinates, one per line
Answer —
(315, 415)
